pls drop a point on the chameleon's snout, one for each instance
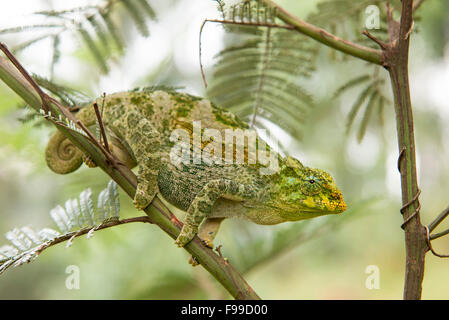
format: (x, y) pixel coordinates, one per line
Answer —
(341, 206)
(337, 203)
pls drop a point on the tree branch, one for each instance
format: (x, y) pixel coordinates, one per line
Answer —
(327, 38)
(439, 234)
(439, 219)
(158, 214)
(396, 55)
(35, 251)
(429, 245)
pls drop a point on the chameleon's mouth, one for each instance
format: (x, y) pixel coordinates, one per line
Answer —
(340, 207)
(325, 206)
(335, 204)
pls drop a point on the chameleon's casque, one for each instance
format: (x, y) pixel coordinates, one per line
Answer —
(139, 125)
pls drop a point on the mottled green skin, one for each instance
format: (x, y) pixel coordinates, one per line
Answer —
(139, 125)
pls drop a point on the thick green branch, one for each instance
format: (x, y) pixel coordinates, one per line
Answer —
(220, 268)
(327, 38)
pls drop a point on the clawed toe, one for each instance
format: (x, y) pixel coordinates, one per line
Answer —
(208, 243)
(193, 261)
(88, 161)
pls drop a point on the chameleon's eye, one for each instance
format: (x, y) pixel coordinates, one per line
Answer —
(311, 186)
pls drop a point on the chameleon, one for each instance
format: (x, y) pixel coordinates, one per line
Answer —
(140, 126)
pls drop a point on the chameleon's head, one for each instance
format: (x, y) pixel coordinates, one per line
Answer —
(303, 193)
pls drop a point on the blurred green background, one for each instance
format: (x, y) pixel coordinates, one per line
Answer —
(324, 258)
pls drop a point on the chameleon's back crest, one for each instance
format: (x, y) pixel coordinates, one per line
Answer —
(62, 155)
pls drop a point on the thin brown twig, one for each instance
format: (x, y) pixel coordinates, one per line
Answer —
(409, 30)
(381, 44)
(439, 234)
(10, 262)
(106, 224)
(101, 125)
(45, 99)
(325, 37)
(439, 219)
(429, 244)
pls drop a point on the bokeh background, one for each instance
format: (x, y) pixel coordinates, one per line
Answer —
(320, 259)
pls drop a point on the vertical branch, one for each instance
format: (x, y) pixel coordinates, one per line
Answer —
(397, 53)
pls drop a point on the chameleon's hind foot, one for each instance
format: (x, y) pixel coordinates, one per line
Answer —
(89, 161)
(207, 243)
(193, 261)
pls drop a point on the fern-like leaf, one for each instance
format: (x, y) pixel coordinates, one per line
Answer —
(367, 116)
(76, 216)
(69, 97)
(93, 48)
(371, 98)
(358, 104)
(137, 15)
(93, 23)
(259, 77)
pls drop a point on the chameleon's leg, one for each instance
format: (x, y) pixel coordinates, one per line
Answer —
(144, 141)
(207, 232)
(202, 204)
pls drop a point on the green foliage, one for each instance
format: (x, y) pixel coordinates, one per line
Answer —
(370, 99)
(67, 96)
(259, 77)
(346, 18)
(372, 96)
(76, 216)
(95, 26)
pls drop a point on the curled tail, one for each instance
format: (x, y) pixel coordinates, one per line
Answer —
(62, 155)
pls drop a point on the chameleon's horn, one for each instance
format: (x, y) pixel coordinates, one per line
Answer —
(292, 162)
(62, 155)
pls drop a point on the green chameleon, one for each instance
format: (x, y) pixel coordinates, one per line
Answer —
(139, 127)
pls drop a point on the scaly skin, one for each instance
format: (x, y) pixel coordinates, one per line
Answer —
(139, 125)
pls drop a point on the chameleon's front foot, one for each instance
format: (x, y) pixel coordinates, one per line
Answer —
(144, 196)
(141, 201)
(186, 235)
